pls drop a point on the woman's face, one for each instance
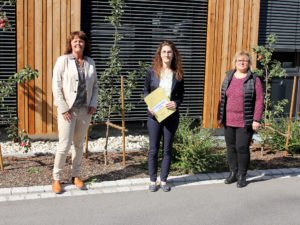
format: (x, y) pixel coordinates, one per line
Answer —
(242, 63)
(166, 54)
(77, 45)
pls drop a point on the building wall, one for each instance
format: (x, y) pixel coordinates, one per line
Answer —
(42, 27)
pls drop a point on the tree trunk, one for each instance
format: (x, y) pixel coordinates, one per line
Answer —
(106, 136)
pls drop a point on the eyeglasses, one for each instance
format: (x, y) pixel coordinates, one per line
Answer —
(244, 61)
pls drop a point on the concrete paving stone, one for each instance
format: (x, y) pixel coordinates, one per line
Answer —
(189, 184)
(47, 188)
(178, 184)
(178, 179)
(295, 170)
(139, 188)
(109, 183)
(225, 174)
(205, 182)
(123, 189)
(68, 187)
(16, 197)
(3, 198)
(79, 192)
(253, 173)
(216, 176)
(95, 185)
(19, 190)
(33, 196)
(48, 195)
(265, 172)
(94, 191)
(5, 191)
(109, 190)
(64, 194)
(33, 189)
(266, 177)
(140, 181)
(275, 171)
(123, 182)
(192, 178)
(202, 176)
(286, 171)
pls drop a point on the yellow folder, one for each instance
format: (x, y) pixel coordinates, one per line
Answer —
(157, 101)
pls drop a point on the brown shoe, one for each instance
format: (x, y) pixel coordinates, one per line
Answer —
(56, 186)
(78, 183)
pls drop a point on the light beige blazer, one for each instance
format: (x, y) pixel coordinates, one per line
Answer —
(65, 82)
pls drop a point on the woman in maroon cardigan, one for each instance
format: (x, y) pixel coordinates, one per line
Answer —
(240, 112)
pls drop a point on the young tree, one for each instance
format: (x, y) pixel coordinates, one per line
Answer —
(4, 21)
(109, 99)
(268, 69)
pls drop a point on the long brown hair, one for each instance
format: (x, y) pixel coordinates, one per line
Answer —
(82, 36)
(176, 64)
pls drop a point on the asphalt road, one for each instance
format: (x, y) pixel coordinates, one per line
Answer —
(269, 202)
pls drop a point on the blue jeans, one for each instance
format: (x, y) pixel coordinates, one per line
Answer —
(167, 130)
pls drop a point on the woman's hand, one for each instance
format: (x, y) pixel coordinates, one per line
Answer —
(91, 110)
(255, 125)
(67, 115)
(220, 124)
(171, 105)
(152, 113)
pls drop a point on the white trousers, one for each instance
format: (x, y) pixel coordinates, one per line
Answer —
(75, 131)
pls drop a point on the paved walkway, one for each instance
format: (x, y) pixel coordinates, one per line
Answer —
(40, 192)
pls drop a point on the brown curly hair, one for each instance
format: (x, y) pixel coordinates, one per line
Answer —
(176, 64)
(82, 36)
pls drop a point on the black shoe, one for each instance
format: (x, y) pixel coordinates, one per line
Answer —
(231, 178)
(153, 187)
(241, 182)
(165, 187)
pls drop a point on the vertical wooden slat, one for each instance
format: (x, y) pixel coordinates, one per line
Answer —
(30, 54)
(69, 17)
(240, 24)
(211, 21)
(38, 47)
(254, 27)
(49, 66)
(75, 15)
(218, 62)
(44, 96)
(20, 23)
(246, 24)
(226, 38)
(56, 45)
(233, 32)
(63, 25)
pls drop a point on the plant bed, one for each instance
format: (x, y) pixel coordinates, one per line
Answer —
(37, 170)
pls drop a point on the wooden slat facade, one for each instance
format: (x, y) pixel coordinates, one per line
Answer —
(42, 28)
(232, 26)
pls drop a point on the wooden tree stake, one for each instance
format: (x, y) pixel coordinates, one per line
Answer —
(1, 159)
(123, 120)
(288, 134)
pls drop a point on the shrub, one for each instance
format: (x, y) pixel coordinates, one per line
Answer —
(195, 150)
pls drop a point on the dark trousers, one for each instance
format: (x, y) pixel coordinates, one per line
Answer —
(167, 130)
(238, 153)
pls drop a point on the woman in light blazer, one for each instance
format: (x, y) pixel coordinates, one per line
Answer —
(75, 91)
(167, 73)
